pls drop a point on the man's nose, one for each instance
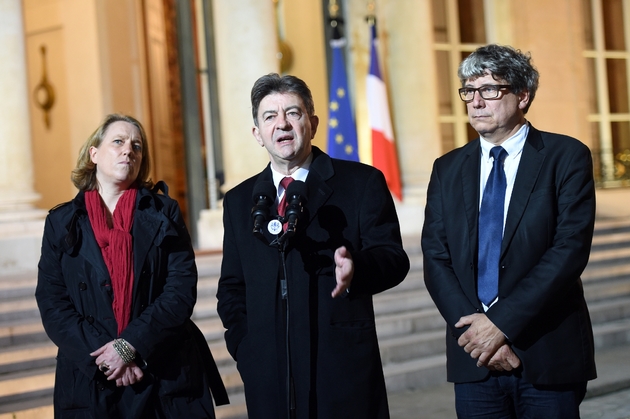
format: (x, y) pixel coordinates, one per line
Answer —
(477, 99)
(283, 122)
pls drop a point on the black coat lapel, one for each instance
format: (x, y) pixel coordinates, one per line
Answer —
(526, 176)
(318, 191)
(470, 191)
(147, 223)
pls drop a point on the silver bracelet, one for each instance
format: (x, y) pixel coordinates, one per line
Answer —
(124, 351)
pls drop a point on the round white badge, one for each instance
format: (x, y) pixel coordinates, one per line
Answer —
(274, 226)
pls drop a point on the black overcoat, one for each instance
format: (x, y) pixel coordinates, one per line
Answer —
(74, 295)
(334, 353)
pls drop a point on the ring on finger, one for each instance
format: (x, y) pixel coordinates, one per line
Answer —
(103, 367)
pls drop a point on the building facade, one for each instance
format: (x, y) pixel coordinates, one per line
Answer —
(185, 70)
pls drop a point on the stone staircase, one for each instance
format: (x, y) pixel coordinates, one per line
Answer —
(410, 329)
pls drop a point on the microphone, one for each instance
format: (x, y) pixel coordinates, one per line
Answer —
(263, 197)
(296, 198)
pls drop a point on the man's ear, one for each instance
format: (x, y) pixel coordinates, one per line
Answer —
(314, 123)
(256, 134)
(523, 99)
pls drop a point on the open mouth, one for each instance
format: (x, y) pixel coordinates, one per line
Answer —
(284, 138)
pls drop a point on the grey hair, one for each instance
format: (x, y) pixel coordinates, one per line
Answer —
(503, 62)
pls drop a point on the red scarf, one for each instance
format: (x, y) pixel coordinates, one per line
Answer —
(117, 248)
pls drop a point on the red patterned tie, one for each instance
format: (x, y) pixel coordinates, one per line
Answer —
(282, 205)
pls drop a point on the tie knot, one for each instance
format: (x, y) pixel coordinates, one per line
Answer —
(498, 153)
(286, 181)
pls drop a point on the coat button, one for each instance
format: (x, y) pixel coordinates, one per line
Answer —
(89, 319)
(82, 286)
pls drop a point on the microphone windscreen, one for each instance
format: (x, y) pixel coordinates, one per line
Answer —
(297, 187)
(266, 189)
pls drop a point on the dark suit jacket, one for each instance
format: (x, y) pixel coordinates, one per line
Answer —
(74, 295)
(334, 349)
(546, 245)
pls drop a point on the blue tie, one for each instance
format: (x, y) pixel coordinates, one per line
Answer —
(491, 229)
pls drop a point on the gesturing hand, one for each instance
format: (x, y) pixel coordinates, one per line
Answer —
(344, 270)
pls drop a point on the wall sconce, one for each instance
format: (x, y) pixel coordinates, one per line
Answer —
(44, 93)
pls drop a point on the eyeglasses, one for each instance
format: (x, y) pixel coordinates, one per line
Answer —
(487, 91)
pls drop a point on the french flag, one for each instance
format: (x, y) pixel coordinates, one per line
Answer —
(384, 155)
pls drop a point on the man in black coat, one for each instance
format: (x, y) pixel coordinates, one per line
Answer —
(297, 305)
(519, 343)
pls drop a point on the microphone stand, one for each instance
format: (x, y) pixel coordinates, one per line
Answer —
(291, 216)
(284, 287)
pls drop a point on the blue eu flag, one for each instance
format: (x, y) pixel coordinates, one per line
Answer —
(342, 132)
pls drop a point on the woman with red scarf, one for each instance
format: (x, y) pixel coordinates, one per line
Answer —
(116, 289)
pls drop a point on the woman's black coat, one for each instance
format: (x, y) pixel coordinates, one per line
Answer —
(74, 295)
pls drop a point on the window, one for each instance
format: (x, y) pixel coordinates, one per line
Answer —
(459, 29)
(607, 40)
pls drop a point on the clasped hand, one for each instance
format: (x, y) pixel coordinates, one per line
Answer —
(486, 343)
(112, 365)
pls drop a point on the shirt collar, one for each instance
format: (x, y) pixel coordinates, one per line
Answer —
(512, 145)
(300, 173)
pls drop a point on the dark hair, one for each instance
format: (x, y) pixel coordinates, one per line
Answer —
(274, 83)
(503, 62)
(84, 174)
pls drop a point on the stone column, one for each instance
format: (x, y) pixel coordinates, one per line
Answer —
(246, 48)
(16, 168)
(414, 100)
(20, 222)
(407, 60)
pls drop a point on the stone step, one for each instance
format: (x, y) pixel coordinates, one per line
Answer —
(607, 226)
(402, 324)
(26, 357)
(611, 309)
(611, 287)
(410, 329)
(235, 410)
(25, 385)
(611, 241)
(18, 309)
(18, 286)
(416, 373)
(33, 409)
(398, 302)
(619, 257)
(414, 346)
(612, 333)
(22, 332)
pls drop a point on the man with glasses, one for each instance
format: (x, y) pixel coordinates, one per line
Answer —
(507, 233)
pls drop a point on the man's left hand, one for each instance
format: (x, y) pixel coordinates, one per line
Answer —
(344, 270)
(504, 360)
(482, 339)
